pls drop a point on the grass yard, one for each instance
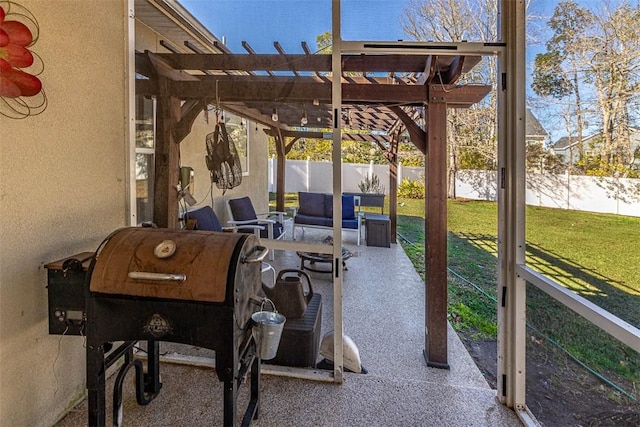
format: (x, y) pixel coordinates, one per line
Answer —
(594, 255)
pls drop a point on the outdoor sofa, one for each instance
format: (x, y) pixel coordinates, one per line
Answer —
(315, 210)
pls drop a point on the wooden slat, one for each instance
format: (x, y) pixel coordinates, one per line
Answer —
(452, 75)
(307, 51)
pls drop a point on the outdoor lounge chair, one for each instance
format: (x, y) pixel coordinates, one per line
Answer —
(203, 218)
(244, 217)
(316, 211)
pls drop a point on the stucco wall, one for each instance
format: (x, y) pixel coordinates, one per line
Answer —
(62, 190)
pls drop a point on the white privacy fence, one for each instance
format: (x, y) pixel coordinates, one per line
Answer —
(578, 192)
(305, 175)
(585, 193)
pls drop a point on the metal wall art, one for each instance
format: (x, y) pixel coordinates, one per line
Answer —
(21, 93)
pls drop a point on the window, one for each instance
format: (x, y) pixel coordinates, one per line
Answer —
(145, 157)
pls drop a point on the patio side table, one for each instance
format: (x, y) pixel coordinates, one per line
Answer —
(378, 230)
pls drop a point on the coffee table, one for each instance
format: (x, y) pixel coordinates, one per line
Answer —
(317, 258)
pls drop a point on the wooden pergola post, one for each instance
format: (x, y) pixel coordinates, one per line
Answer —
(436, 234)
(393, 185)
(167, 158)
(280, 168)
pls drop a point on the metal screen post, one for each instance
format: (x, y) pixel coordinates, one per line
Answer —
(336, 100)
(511, 206)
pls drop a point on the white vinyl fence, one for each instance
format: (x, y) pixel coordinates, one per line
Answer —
(584, 193)
(305, 175)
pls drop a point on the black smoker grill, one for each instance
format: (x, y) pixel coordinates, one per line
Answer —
(144, 284)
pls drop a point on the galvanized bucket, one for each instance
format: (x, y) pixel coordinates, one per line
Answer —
(266, 331)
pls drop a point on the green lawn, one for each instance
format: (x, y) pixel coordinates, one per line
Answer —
(595, 255)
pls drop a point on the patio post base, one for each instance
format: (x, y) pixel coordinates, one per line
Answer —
(432, 364)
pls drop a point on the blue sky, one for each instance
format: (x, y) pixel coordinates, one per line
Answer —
(261, 22)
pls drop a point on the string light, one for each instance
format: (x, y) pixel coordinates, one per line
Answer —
(274, 115)
(303, 120)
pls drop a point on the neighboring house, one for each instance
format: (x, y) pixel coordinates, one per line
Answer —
(567, 147)
(535, 132)
(535, 138)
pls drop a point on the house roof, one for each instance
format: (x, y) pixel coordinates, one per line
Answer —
(533, 127)
(564, 143)
(567, 142)
(172, 21)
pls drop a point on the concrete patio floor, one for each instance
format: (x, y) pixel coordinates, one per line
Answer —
(384, 315)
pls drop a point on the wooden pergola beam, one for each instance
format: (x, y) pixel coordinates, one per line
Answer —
(455, 96)
(243, 78)
(188, 113)
(428, 72)
(417, 134)
(253, 114)
(304, 62)
(361, 137)
(392, 157)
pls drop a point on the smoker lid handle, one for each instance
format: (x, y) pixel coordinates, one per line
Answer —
(257, 258)
(162, 277)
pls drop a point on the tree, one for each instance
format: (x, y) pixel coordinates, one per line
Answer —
(324, 42)
(613, 68)
(557, 72)
(591, 65)
(471, 138)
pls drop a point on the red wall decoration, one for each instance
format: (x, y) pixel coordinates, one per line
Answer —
(21, 93)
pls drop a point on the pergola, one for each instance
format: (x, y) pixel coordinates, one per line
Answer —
(413, 94)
